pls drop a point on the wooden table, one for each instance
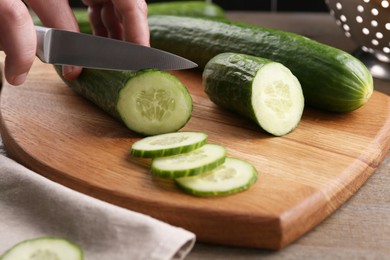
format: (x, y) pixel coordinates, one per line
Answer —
(360, 229)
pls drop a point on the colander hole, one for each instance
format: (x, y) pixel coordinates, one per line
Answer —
(339, 6)
(379, 35)
(343, 18)
(374, 23)
(375, 42)
(387, 26)
(366, 31)
(360, 9)
(346, 27)
(366, 1)
(385, 4)
(374, 11)
(386, 50)
(348, 34)
(366, 49)
(359, 19)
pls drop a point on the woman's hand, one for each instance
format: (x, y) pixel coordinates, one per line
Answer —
(120, 19)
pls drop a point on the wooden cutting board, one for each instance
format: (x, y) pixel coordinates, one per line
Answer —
(303, 176)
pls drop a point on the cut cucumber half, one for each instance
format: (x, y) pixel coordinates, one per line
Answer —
(148, 102)
(231, 177)
(259, 89)
(168, 144)
(277, 99)
(47, 248)
(203, 159)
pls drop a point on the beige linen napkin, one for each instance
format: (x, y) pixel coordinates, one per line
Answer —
(33, 206)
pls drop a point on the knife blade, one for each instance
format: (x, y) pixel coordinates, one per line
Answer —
(62, 47)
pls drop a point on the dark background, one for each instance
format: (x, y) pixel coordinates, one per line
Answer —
(257, 5)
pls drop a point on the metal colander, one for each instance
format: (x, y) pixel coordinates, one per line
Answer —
(367, 23)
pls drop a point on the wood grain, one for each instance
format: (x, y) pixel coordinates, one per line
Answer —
(304, 176)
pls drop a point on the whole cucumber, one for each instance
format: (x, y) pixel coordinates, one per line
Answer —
(331, 79)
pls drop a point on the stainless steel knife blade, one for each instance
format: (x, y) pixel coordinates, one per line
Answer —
(71, 48)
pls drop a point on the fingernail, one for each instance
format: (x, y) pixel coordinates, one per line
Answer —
(19, 79)
(67, 70)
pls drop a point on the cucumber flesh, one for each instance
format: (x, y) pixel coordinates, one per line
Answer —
(47, 248)
(264, 91)
(154, 103)
(277, 99)
(168, 144)
(233, 176)
(203, 159)
(148, 102)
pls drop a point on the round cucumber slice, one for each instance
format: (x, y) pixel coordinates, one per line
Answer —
(277, 99)
(203, 159)
(168, 144)
(49, 248)
(154, 102)
(231, 177)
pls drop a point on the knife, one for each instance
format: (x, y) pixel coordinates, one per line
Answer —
(62, 47)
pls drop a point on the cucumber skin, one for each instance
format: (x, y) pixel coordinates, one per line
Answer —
(101, 87)
(179, 8)
(227, 80)
(331, 79)
(219, 193)
(186, 173)
(167, 152)
(155, 171)
(186, 8)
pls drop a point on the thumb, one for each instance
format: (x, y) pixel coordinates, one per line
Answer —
(17, 40)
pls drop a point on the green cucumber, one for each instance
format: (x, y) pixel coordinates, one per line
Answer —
(233, 176)
(262, 90)
(179, 8)
(186, 8)
(203, 159)
(44, 248)
(331, 79)
(148, 102)
(168, 144)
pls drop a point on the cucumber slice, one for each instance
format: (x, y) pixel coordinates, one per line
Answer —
(168, 144)
(203, 159)
(48, 248)
(231, 177)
